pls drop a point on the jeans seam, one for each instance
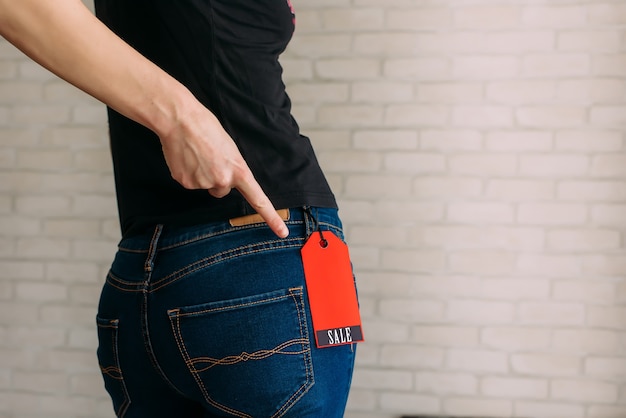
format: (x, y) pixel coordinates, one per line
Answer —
(306, 356)
(220, 257)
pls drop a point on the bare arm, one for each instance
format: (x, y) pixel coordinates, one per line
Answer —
(66, 38)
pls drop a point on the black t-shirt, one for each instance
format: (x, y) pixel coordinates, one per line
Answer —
(226, 53)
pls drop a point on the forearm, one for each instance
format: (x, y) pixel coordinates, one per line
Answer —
(66, 38)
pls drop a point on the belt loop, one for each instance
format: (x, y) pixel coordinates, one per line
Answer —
(149, 265)
(310, 221)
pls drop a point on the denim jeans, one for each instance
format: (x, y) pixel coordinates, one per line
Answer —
(213, 321)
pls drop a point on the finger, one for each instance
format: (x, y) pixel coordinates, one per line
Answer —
(219, 192)
(253, 193)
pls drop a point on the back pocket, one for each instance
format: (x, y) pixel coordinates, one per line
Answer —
(251, 356)
(108, 358)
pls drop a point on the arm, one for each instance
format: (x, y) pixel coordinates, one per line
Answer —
(67, 39)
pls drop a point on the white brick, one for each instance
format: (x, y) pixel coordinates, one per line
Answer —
(586, 391)
(549, 410)
(605, 366)
(434, 18)
(451, 140)
(480, 312)
(590, 292)
(324, 140)
(609, 116)
(515, 289)
(417, 261)
(482, 116)
(604, 265)
(383, 379)
(485, 67)
(606, 411)
(608, 65)
(483, 262)
(409, 402)
(516, 338)
(40, 292)
(520, 190)
(480, 212)
(515, 388)
(590, 91)
(484, 17)
(44, 160)
(608, 215)
(551, 116)
(447, 187)
(478, 407)
(385, 140)
(43, 205)
(34, 336)
(584, 240)
(546, 364)
(607, 13)
(43, 248)
(40, 114)
(445, 336)
(450, 92)
(417, 163)
(385, 92)
(552, 213)
(347, 69)
(413, 311)
(484, 164)
(361, 400)
(385, 331)
(521, 92)
(383, 236)
(411, 357)
(556, 65)
(86, 384)
(606, 317)
(352, 19)
(72, 272)
(353, 115)
(519, 42)
(446, 383)
(416, 115)
(480, 361)
(555, 16)
(375, 187)
(602, 191)
(403, 211)
(474, 237)
(52, 383)
(551, 313)
(419, 69)
(586, 341)
(518, 141)
(346, 161)
(314, 46)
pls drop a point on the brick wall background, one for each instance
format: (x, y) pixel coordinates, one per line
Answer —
(478, 151)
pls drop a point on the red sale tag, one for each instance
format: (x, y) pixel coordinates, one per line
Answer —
(331, 290)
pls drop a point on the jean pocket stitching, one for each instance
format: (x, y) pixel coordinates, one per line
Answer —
(114, 371)
(176, 329)
(296, 294)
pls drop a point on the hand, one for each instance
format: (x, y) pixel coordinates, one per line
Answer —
(201, 155)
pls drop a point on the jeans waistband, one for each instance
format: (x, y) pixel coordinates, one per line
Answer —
(170, 237)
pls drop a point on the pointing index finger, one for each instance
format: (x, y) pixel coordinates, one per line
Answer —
(252, 192)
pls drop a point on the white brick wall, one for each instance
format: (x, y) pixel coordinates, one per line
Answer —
(477, 149)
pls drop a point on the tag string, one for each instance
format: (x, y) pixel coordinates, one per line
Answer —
(316, 226)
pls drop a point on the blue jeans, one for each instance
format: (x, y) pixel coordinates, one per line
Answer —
(213, 321)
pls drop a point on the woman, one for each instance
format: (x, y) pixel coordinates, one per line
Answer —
(205, 311)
